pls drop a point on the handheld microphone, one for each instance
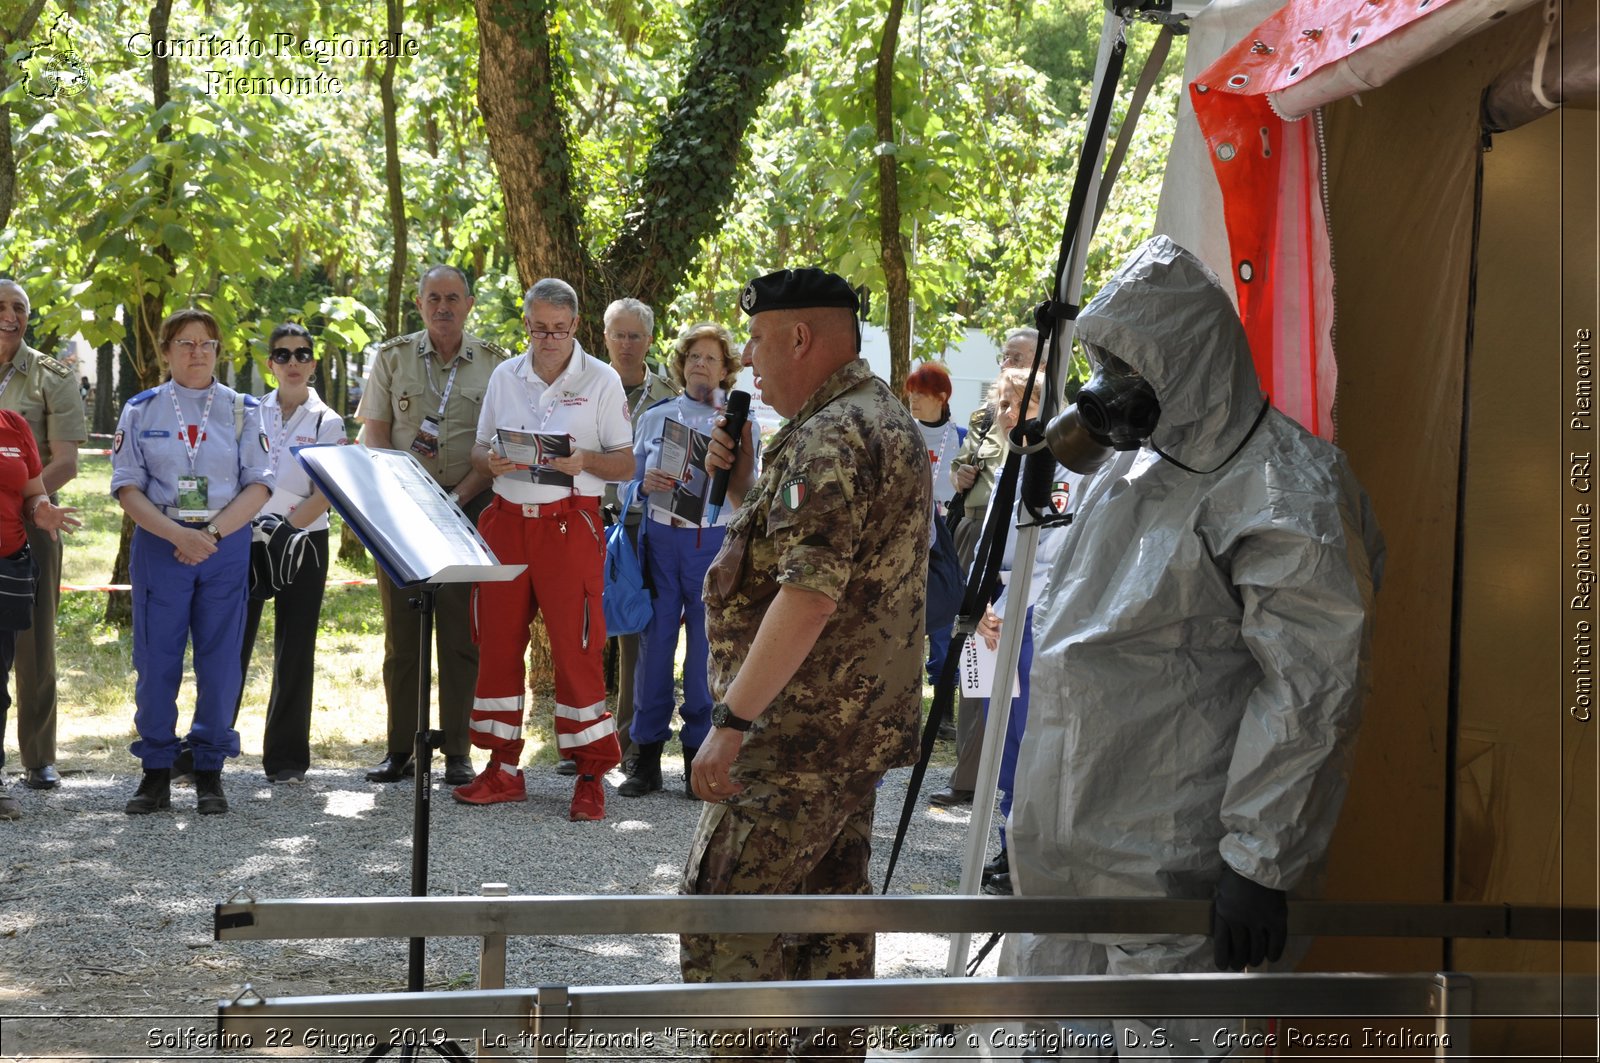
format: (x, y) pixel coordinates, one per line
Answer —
(737, 413)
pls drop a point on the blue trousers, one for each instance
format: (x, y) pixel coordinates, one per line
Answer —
(174, 604)
(1016, 724)
(678, 559)
(938, 650)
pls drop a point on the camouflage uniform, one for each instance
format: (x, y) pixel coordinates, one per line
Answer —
(404, 386)
(841, 508)
(46, 395)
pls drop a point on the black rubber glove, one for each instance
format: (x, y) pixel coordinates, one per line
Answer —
(1249, 922)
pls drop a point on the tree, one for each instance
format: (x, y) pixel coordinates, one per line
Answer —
(688, 174)
(891, 249)
(11, 35)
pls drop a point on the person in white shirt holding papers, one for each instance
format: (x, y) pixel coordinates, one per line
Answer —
(546, 514)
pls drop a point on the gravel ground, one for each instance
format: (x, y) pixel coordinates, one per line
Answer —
(106, 919)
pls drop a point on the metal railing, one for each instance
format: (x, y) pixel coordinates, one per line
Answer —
(549, 1022)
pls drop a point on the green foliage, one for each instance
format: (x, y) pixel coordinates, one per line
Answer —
(276, 208)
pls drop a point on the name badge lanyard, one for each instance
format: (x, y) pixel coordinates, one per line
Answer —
(283, 434)
(192, 449)
(549, 400)
(449, 384)
(7, 381)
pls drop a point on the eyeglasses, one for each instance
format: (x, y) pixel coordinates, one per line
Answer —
(540, 334)
(628, 337)
(282, 355)
(190, 346)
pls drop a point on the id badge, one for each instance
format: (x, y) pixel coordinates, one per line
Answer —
(193, 498)
(427, 441)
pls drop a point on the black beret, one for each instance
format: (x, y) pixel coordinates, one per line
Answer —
(798, 289)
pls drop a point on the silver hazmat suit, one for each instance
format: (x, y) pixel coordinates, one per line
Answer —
(1202, 648)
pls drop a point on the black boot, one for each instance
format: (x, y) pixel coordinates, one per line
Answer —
(1000, 865)
(645, 778)
(209, 799)
(155, 792)
(688, 771)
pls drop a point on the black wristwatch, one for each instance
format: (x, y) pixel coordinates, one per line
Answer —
(722, 716)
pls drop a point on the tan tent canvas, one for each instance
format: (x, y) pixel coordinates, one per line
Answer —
(1461, 329)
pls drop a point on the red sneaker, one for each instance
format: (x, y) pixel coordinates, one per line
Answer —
(588, 799)
(493, 785)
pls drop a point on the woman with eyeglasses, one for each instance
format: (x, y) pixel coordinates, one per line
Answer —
(189, 467)
(681, 539)
(293, 416)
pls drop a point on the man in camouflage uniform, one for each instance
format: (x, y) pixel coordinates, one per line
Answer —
(44, 392)
(423, 394)
(814, 610)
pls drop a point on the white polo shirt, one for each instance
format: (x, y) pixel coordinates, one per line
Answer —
(313, 422)
(587, 402)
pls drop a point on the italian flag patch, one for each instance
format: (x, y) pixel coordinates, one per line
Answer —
(793, 494)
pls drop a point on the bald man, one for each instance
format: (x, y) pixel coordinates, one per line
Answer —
(814, 612)
(46, 394)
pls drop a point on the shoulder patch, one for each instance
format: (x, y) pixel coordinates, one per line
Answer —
(395, 342)
(143, 397)
(116, 442)
(53, 366)
(496, 351)
(792, 495)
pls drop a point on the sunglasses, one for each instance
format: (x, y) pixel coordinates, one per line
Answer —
(283, 355)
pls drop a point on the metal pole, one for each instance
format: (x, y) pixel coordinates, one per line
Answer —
(1068, 289)
(422, 758)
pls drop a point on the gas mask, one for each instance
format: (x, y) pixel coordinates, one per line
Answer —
(1116, 410)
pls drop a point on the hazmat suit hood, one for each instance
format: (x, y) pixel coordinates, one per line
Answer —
(1202, 644)
(1164, 313)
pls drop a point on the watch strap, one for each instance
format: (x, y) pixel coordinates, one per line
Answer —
(722, 716)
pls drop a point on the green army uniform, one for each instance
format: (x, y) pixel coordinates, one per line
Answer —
(45, 393)
(405, 385)
(841, 508)
(652, 390)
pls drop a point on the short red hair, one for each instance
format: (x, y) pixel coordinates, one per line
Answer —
(930, 378)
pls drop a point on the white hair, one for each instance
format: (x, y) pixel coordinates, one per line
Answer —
(638, 309)
(551, 290)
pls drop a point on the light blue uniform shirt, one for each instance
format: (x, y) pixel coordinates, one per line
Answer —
(149, 453)
(700, 416)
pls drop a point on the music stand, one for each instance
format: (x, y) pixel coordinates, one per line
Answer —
(422, 541)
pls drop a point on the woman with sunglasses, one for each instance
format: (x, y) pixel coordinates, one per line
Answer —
(293, 416)
(189, 467)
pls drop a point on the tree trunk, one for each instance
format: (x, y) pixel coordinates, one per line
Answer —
(104, 412)
(151, 307)
(892, 247)
(519, 95)
(689, 174)
(8, 163)
(397, 198)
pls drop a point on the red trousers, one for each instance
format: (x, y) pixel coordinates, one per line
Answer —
(565, 553)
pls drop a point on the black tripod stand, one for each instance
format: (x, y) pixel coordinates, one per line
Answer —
(427, 740)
